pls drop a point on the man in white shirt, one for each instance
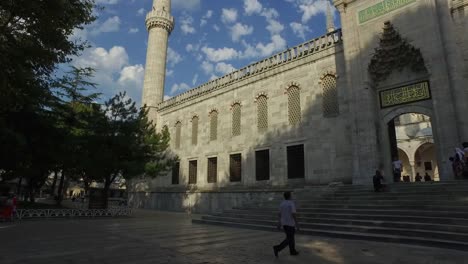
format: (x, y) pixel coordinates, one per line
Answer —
(397, 168)
(287, 218)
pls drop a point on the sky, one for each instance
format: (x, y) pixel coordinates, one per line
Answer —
(211, 38)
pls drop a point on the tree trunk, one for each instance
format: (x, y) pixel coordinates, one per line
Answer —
(60, 188)
(54, 183)
(18, 188)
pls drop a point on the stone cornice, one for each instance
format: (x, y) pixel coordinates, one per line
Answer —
(458, 5)
(160, 19)
(296, 53)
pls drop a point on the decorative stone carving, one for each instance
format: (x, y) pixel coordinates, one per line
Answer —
(394, 53)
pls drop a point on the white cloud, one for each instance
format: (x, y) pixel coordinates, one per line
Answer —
(229, 15)
(133, 30)
(216, 28)
(112, 24)
(217, 55)
(132, 76)
(239, 30)
(311, 8)
(169, 73)
(141, 11)
(224, 68)
(263, 50)
(274, 26)
(206, 17)
(186, 25)
(252, 7)
(114, 73)
(195, 79)
(299, 29)
(173, 57)
(207, 67)
(186, 4)
(179, 88)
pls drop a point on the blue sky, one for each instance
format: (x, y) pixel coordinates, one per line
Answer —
(211, 38)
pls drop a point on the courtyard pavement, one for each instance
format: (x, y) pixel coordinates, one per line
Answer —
(156, 237)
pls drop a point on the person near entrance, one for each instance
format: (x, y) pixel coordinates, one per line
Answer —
(418, 177)
(378, 180)
(397, 168)
(288, 220)
(427, 177)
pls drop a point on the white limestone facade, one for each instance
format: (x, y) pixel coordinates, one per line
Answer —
(344, 129)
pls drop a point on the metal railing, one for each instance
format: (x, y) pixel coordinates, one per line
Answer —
(72, 213)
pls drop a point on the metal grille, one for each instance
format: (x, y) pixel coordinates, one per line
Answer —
(213, 125)
(193, 172)
(262, 113)
(195, 130)
(296, 162)
(212, 170)
(330, 96)
(236, 119)
(178, 131)
(294, 105)
(262, 165)
(175, 173)
(235, 167)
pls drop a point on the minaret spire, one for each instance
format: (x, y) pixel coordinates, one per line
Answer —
(160, 24)
(330, 22)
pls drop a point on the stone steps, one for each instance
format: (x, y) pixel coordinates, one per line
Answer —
(433, 214)
(451, 244)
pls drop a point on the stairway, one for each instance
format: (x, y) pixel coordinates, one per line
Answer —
(429, 214)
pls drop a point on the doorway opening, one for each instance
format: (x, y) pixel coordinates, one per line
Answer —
(412, 148)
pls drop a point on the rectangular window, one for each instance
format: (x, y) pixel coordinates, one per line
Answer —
(212, 170)
(262, 165)
(193, 172)
(296, 162)
(175, 173)
(235, 167)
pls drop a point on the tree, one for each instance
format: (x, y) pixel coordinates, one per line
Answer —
(128, 144)
(35, 36)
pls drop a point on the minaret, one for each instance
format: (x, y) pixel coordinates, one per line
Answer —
(159, 23)
(330, 23)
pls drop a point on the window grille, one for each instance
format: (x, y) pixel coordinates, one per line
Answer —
(235, 167)
(195, 130)
(236, 119)
(296, 162)
(213, 125)
(330, 96)
(178, 132)
(212, 170)
(193, 172)
(262, 165)
(175, 173)
(294, 105)
(262, 113)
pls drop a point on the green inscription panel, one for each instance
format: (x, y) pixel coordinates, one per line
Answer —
(381, 9)
(406, 94)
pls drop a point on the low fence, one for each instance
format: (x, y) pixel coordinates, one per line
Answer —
(72, 213)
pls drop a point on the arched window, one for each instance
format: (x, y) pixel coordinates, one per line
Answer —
(236, 119)
(294, 105)
(178, 132)
(213, 125)
(195, 130)
(262, 113)
(330, 96)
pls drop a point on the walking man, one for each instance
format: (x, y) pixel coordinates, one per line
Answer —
(288, 219)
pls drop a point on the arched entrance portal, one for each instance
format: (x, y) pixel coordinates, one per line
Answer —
(412, 142)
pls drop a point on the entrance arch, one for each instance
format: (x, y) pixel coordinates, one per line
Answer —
(409, 145)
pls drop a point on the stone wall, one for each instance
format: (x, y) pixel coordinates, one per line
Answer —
(326, 140)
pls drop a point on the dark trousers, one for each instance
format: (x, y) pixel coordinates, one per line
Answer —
(289, 241)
